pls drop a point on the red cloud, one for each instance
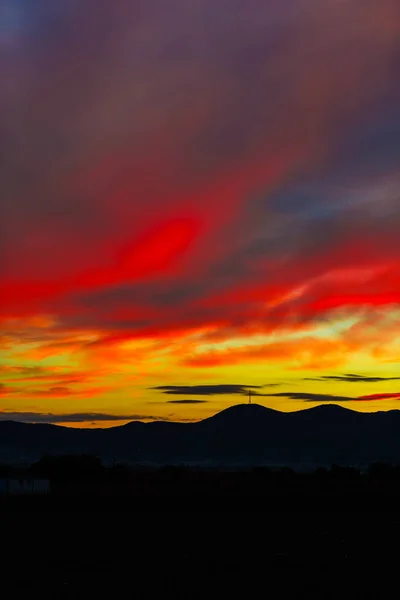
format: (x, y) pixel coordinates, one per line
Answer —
(393, 395)
(154, 253)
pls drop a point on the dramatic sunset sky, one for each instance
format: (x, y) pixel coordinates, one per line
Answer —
(198, 196)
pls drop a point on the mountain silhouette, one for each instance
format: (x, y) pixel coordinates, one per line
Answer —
(245, 434)
(242, 416)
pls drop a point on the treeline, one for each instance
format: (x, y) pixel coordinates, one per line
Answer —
(88, 467)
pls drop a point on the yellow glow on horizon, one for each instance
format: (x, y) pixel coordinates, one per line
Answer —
(117, 376)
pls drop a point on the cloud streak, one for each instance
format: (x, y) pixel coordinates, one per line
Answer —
(207, 390)
(352, 378)
(312, 397)
(394, 396)
(187, 401)
(33, 417)
(317, 397)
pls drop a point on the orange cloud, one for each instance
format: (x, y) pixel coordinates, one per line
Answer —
(305, 353)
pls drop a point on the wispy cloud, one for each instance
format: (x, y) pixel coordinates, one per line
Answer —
(6, 390)
(55, 392)
(352, 378)
(33, 417)
(311, 397)
(207, 390)
(187, 401)
(320, 397)
(57, 375)
(309, 352)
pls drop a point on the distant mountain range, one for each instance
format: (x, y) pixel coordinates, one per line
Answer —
(242, 435)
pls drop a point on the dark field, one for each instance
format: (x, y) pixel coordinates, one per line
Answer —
(197, 554)
(181, 534)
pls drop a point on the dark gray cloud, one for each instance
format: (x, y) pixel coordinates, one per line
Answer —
(352, 378)
(187, 401)
(268, 385)
(310, 397)
(206, 390)
(32, 417)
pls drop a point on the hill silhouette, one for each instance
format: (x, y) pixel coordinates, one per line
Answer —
(240, 435)
(243, 413)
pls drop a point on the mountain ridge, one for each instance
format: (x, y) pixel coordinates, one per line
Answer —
(241, 434)
(327, 408)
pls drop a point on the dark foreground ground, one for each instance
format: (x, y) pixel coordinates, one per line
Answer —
(196, 554)
(181, 536)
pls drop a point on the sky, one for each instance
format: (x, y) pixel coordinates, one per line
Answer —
(198, 199)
